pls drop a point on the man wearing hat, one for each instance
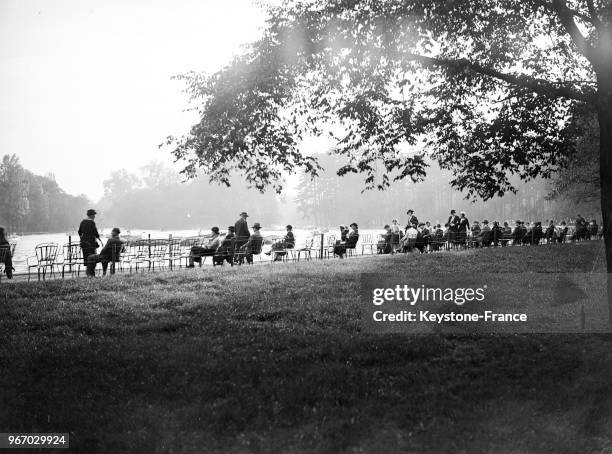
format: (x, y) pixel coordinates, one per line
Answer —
(519, 232)
(89, 235)
(453, 226)
(206, 250)
(225, 251)
(412, 219)
(242, 230)
(253, 245)
(110, 253)
(464, 228)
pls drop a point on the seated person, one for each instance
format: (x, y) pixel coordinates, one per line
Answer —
(593, 229)
(252, 246)
(528, 236)
(506, 234)
(110, 253)
(344, 231)
(486, 234)
(410, 238)
(496, 233)
(206, 250)
(385, 244)
(396, 233)
(425, 234)
(537, 233)
(475, 233)
(421, 240)
(5, 254)
(288, 242)
(519, 233)
(350, 243)
(562, 232)
(225, 251)
(550, 232)
(437, 238)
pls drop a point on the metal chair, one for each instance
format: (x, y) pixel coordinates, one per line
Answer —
(45, 258)
(186, 245)
(72, 256)
(241, 254)
(306, 250)
(156, 253)
(330, 244)
(174, 252)
(133, 255)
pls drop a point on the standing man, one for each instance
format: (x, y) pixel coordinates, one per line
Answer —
(464, 228)
(453, 226)
(89, 235)
(242, 230)
(412, 219)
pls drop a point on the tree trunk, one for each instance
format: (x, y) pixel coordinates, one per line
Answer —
(604, 113)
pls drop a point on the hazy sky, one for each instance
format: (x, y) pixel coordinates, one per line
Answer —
(85, 85)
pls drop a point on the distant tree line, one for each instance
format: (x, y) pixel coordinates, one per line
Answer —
(35, 203)
(156, 199)
(330, 200)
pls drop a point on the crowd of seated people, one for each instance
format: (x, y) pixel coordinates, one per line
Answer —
(459, 232)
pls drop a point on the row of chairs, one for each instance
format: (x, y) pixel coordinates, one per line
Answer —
(151, 254)
(50, 259)
(135, 255)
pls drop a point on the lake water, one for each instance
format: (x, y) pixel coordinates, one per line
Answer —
(27, 243)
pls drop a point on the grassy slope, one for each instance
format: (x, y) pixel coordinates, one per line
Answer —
(271, 358)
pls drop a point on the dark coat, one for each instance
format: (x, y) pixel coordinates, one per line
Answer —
(464, 224)
(242, 230)
(351, 240)
(453, 223)
(88, 233)
(111, 252)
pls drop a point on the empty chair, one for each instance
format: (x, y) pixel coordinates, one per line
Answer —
(45, 258)
(71, 258)
(156, 253)
(306, 250)
(367, 242)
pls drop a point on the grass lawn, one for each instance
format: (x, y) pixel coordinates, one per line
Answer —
(272, 358)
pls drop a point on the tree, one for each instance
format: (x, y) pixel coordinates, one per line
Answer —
(488, 86)
(156, 175)
(579, 181)
(119, 183)
(13, 192)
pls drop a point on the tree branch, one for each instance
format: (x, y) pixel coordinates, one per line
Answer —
(549, 6)
(566, 17)
(593, 13)
(536, 85)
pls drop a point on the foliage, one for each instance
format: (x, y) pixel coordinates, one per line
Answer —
(485, 88)
(579, 182)
(34, 203)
